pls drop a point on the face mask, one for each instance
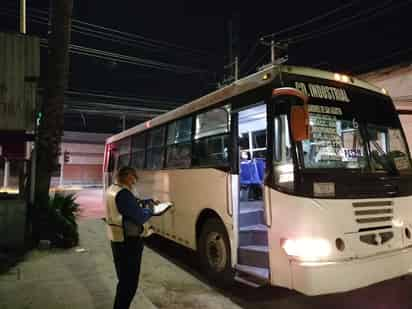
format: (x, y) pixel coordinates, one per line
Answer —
(133, 189)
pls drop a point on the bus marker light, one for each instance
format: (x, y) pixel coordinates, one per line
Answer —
(345, 78)
(308, 249)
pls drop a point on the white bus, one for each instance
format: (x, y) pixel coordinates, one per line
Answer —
(293, 177)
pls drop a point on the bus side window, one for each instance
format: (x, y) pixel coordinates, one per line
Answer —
(155, 148)
(110, 167)
(138, 150)
(211, 142)
(179, 143)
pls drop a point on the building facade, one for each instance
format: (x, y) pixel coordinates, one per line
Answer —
(397, 80)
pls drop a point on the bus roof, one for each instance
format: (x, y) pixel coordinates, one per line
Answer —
(240, 86)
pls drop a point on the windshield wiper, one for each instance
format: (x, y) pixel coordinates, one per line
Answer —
(383, 159)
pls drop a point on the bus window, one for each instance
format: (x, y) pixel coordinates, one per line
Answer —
(110, 166)
(138, 151)
(387, 148)
(155, 148)
(179, 146)
(123, 148)
(283, 162)
(244, 141)
(334, 142)
(212, 138)
(213, 122)
(259, 139)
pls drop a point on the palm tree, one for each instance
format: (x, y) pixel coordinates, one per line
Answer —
(51, 124)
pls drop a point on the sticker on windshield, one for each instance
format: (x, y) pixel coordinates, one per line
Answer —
(324, 189)
(321, 109)
(402, 163)
(349, 154)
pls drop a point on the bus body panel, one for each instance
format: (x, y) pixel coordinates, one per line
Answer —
(191, 191)
(326, 278)
(330, 219)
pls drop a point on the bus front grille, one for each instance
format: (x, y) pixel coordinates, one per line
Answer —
(374, 215)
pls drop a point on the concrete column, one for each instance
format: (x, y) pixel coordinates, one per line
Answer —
(6, 174)
(61, 183)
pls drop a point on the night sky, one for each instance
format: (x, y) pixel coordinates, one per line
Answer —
(345, 36)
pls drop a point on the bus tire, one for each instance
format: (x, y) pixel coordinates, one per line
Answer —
(214, 253)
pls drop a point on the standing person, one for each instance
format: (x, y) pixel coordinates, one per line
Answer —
(125, 219)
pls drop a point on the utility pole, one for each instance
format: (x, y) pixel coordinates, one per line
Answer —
(23, 16)
(230, 33)
(272, 52)
(276, 51)
(123, 122)
(51, 124)
(236, 64)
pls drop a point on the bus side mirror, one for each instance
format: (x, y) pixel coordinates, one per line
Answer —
(299, 117)
(299, 114)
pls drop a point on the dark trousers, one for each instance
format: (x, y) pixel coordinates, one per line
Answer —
(127, 257)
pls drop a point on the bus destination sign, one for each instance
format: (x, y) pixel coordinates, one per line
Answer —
(323, 92)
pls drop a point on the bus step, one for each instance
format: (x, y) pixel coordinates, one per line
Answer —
(247, 281)
(253, 235)
(249, 217)
(252, 276)
(257, 256)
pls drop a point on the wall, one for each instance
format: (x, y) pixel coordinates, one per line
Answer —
(85, 159)
(19, 72)
(397, 81)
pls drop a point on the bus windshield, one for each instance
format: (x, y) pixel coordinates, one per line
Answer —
(339, 140)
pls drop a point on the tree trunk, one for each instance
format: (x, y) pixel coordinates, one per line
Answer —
(51, 124)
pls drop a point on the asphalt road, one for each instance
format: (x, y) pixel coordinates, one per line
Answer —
(393, 294)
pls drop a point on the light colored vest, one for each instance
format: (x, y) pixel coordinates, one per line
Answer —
(114, 219)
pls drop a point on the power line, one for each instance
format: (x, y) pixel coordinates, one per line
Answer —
(104, 35)
(122, 98)
(254, 66)
(128, 96)
(80, 50)
(310, 21)
(127, 36)
(379, 60)
(87, 51)
(349, 21)
(251, 52)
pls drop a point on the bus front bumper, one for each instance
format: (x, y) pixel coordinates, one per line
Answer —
(316, 278)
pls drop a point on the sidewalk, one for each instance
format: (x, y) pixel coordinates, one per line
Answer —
(68, 279)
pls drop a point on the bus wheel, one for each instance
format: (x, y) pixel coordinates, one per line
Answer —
(214, 252)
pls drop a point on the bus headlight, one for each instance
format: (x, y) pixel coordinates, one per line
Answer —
(307, 249)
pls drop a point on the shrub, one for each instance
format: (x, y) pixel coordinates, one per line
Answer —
(60, 216)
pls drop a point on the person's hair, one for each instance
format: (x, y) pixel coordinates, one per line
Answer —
(124, 172)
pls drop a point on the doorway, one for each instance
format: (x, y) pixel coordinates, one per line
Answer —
(253, 241)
